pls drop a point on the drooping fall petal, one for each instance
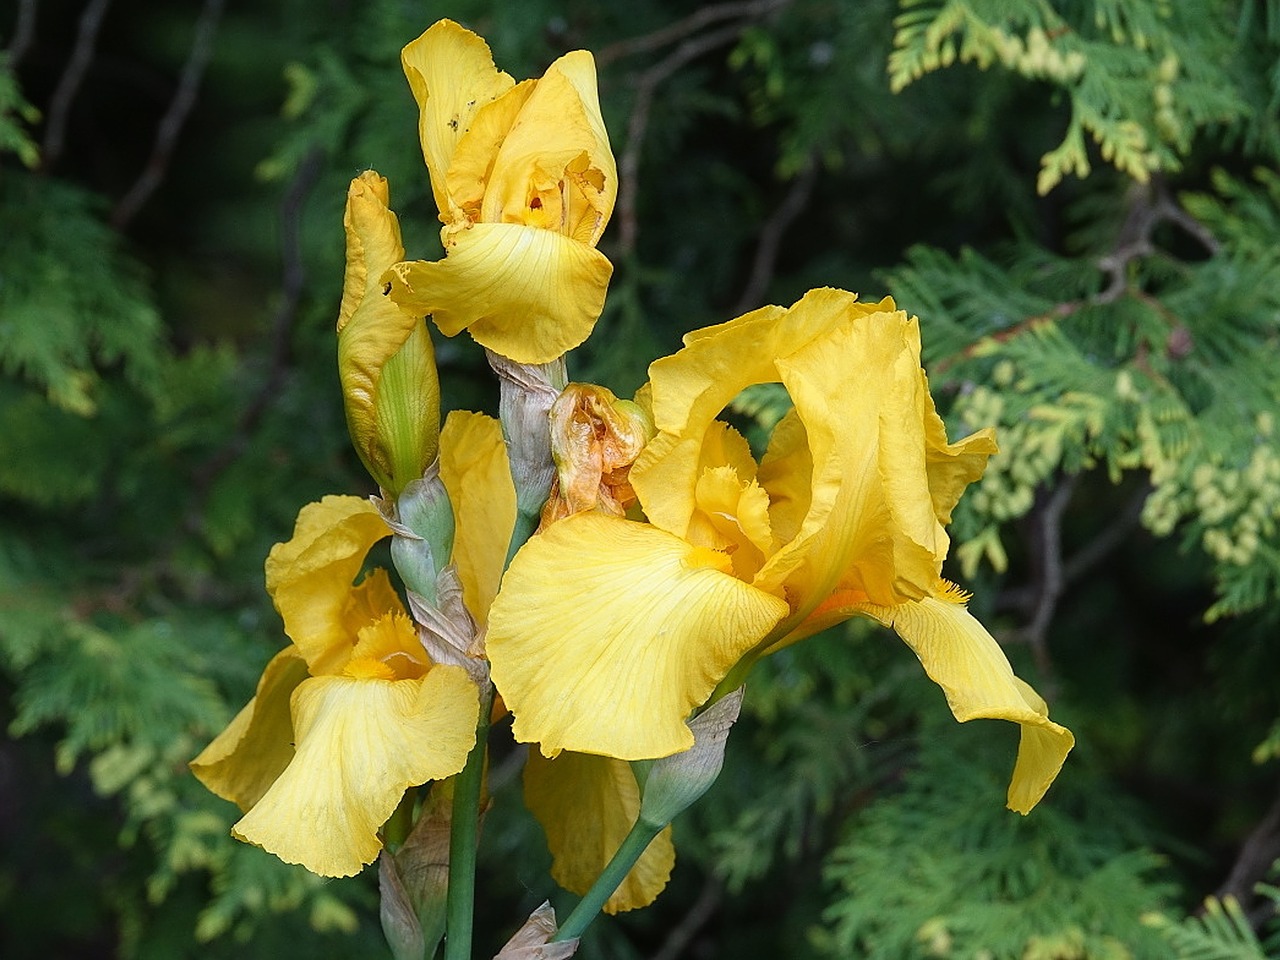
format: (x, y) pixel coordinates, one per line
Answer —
(473, 465)
(310, 575)
(640, 626)
(360, 744)
(967, 663)
(586, 805)
(452, 75)
(391, 392)
(526, 293)
(244, 760)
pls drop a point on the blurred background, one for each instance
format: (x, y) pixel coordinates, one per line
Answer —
(1079, 200)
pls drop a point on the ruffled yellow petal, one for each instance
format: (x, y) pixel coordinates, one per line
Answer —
(390, 389)
(451, 73)
(967, 663)
(554, 168)
(360, 745)
(309, 576)
(473, 466)
(245, 759)
(953, 466)
(528, 294)
(607, 633)
(587, 805)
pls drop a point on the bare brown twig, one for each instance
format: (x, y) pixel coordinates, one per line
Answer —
(682, 933)
(184, 99)
(649, 80)
(293, 280)
(55, 132)
(771, 233)
(24, 31)
(1258, 854)
(1047, 567)
(680, 29)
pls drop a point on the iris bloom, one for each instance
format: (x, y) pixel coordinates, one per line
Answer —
(525, 182)
(385, 360)
(609, 632)
(348, 716)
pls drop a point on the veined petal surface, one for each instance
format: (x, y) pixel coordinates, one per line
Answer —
(244, 760)
(967, 663)
(360, 744)
(586, 805)
(607, 633)
(310, 575)
(526, 293)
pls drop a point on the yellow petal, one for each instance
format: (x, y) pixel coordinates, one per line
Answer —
(360, 745)
(388, 648)
(452, 75)
(472, 164)
(390, 388)
(953, 466)
(967, 663)
(554, 168)
(309, 576)
(587, 805)
(473, 466)
(607, 633)
(528, 294)
(245, 759)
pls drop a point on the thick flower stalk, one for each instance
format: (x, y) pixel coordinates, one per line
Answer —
(609, 632)
(390, 388)
(348, 716)
(525, 182)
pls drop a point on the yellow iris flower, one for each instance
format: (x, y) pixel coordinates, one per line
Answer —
(608, 632)
(525, 182)
(347, 717)
(390, 388)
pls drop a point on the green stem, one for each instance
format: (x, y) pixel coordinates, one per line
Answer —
(633, 847)
(464, 833)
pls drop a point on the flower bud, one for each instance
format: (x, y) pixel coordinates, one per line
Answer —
(390, 387)
(675, 782)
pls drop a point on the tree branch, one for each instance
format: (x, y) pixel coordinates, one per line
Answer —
(24, 31)
(171, 123)
(680, 29)
(1258, 853)
(770, 241)
(292, 282)
(72, 76)
(682, 933)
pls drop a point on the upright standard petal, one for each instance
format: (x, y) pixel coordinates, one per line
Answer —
(554, 168)
(528, 294)
(390, 389)
(607, 633)
(473, 466)
(967, 663)
(586, 806)
(360, 744)
(452, 75)
(310, 576)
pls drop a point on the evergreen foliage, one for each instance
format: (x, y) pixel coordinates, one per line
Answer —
(1080, 203)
